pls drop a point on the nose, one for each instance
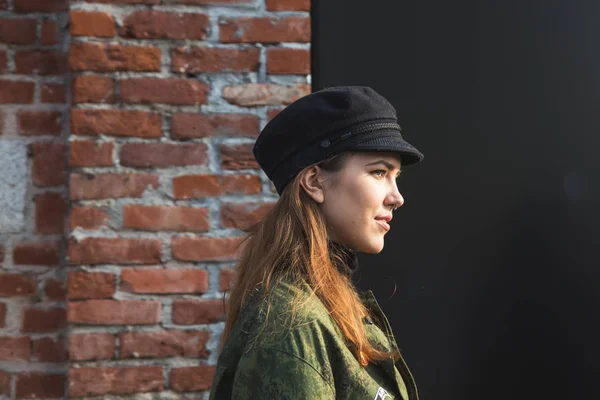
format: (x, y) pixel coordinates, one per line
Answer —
(395, 198)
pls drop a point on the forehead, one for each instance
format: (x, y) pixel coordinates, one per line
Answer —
(367, 157)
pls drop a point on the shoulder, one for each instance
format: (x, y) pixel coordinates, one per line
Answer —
(288, 307)
(292, 322)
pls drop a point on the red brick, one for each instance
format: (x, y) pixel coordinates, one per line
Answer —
(163, 155)
(92, 23)
(149, 24)
(87, 218)
(192, 378)
(47, 6)
(199, 186)
(91, 346)
(102, 57)
(15, 348)
(288, 5)
(89, 153)
(164, 280)
(265, 30)
(264, 94)
(90, 285)
(49, 164)
(17, 30)
(206, 59)
(13, 285)
(49, 350)
(243, 215)
(53, 93)
(124, 1)
(114, 251)
(288, 61)
(116, 123)
(238, 156)
(193, 312)
(3, 6)
(107, 186)
(37, 253)
(50, 213)
(39, 122)
(189, 126)
(3, 61)
(211, 2)
(33, 385)
(166, 91)
(165, 218)
(49, 33)
(226, 278)
(55, 290)
(96, 381)
(93, 89)
(114, 312)
(205, 248)
(2, 319)
(44, 320)
(4, 376)
(171, 343)
(42, 62)
(272, 112)
(16, 92)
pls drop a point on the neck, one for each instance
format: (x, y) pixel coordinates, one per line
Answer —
(348, 261)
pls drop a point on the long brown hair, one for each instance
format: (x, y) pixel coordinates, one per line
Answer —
(293, 235)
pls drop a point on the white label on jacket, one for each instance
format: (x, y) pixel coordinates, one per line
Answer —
(382, 394)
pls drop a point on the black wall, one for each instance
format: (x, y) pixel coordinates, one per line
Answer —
(495, 253)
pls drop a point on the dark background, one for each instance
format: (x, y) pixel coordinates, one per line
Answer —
(495, 252)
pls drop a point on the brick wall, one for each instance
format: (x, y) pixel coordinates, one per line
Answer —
(168, 97)
(33, 197)
(136, 119)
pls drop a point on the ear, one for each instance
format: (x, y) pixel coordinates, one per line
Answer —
(311, 182)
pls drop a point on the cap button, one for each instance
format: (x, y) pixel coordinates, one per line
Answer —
(325, 144)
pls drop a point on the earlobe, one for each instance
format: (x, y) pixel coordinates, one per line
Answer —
(310, 182)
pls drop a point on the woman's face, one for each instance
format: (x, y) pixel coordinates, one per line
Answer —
(358, 200)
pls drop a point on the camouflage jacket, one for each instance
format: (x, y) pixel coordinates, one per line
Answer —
(308, 359)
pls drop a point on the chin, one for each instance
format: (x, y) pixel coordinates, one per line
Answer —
(371, 246)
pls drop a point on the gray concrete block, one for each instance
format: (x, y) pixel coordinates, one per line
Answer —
(14, 176)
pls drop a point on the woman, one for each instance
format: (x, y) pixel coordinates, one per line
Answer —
(296, 326)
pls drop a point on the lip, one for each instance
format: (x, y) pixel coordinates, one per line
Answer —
(383, 224)
(387, 218)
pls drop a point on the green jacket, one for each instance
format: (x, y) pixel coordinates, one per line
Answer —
(306, 360)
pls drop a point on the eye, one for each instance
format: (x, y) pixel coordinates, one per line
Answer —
(380, 173)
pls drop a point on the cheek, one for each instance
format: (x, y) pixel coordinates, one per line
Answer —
(353, 206)
(346, 209)
(364, 204)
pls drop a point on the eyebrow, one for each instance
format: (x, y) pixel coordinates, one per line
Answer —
(389, 165)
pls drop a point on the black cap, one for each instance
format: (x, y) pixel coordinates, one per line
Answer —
(325, 123)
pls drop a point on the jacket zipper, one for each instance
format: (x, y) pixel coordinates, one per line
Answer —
(411, 386)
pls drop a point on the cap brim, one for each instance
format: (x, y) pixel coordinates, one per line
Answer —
(391, 142)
